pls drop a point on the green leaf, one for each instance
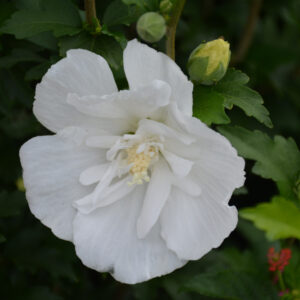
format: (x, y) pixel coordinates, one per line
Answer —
(292, 270)
(37, 72)
(6, 9)
(277, 159)
(117, 13)
(234, 76)
(61, 17)
(29, 4)
(208, 106)
(233, 276)
(103, 45)
(222, 285)
(232, 88)
(209, 102)
(279, 218)
(146, 5)
(256, 240)
(45, 40)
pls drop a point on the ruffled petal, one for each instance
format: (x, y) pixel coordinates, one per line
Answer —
(192, 226)
(122, 110)
(52, 166)
(93, 174)
(150, 127)
(157, 193)
(218, 169)
(180, 166)
(110, 194)
(106, 240)
(143, 64)
(81, 72)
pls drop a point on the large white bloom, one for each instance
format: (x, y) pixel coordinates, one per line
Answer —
(130, 177)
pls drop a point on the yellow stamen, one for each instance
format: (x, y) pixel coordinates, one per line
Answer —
(140, 163)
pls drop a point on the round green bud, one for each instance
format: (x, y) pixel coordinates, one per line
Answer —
(165, 6)
(151, 27)
(208, 63)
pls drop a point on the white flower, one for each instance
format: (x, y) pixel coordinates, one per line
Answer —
(130, 177)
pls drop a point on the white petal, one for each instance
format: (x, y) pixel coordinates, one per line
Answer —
(218, 168)
(188, 185)
(180, 166)
(106, 240)
(137, 103)
(108, 115)
(97, 106)
(192, 226)
(143, 64)
(111, 194)
(158, 191)
(150, 127)
(52, 166)
(81, 72)
(102, 141)
(93, 174)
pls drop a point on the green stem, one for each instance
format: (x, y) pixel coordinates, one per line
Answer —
(90, 12)
(281, 282)
(172, 25)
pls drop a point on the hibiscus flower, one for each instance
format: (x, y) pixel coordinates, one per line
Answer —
(130, 177)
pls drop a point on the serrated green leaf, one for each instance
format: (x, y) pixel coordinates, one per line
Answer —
(221, 285)
(277, 159)
(235, 77)
(103, 45)
(234, 276)
(208, 106)
(232, 88)
(279, 218)
(117, 13)
(60, 17)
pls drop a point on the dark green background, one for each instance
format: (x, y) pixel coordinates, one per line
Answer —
(34, 264)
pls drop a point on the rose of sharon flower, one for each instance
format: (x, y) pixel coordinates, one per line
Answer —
(130, 177)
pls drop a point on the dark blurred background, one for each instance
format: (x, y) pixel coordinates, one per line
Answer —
(34, 264)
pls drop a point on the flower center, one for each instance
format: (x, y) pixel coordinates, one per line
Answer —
(140, 157)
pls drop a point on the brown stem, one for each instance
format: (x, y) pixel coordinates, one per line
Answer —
(90, 12)
(171, 28)
(248, 32)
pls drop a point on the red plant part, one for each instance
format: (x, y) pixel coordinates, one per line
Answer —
(278, 260)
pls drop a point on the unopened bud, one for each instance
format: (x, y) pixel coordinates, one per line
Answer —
(165, 6)
(151, 27)
(209, 61)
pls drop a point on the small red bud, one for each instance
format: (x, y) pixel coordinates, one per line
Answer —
(278, 260)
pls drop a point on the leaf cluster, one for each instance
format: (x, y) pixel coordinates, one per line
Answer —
(34, 34)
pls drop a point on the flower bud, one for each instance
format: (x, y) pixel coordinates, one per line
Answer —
(209, 61)
(151, 27)
(165, 6)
